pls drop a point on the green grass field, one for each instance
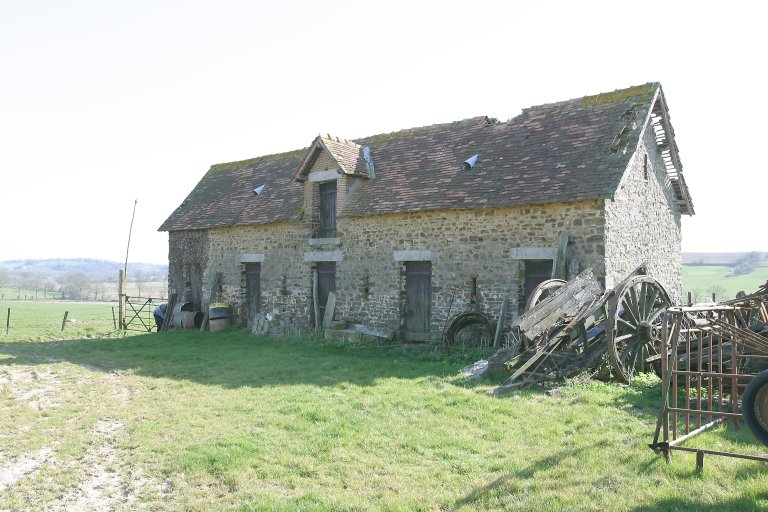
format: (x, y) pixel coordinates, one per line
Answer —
(41, 321)
(706, 279)
(230, 421)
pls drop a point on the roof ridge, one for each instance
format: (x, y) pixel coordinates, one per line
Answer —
(255, 160)
(347, 142)
(600, 98)
(417, 130)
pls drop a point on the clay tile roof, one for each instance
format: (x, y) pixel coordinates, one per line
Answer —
(569, 151)
(561, 152)
(224, 197)
(348, 154)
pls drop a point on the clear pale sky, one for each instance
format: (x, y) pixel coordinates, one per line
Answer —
(103, 102)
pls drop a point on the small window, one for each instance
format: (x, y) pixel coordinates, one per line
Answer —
(645, 167)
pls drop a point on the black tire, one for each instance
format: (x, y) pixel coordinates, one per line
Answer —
(754, 405)
(463, 320)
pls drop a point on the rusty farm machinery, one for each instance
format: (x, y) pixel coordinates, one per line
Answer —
(712, 358)
(715, 371)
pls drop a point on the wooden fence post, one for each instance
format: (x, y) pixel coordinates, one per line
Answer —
(8, 321)
(121, 295)
(64, 322)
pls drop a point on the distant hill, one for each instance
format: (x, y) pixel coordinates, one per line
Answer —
(720, 258)
(94, 269)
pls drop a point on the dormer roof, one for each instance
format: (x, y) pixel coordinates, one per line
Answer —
(347, 154)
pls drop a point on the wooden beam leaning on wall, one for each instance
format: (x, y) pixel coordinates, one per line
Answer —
(316, 301)
(213, 295)
(330, 308)
(168, 319)
(558, 266)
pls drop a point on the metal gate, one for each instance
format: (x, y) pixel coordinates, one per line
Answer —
(138, 314)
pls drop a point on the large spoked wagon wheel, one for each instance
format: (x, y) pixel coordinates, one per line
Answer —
(543, 290)
(633, 330)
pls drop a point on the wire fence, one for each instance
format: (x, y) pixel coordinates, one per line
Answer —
(41, 321)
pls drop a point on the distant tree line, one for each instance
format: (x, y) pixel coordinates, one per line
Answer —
(747, 264)
(25, 285)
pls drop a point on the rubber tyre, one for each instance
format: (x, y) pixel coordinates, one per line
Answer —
(462, 320)
(754, 405)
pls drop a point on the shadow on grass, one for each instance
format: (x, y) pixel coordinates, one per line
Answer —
(514, 483)
(694, 503)
(236, 358)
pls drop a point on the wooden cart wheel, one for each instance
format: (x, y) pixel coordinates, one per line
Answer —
(543, 290)
(633, 326)
(755, 406)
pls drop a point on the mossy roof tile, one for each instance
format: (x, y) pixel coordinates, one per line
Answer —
(561, 152)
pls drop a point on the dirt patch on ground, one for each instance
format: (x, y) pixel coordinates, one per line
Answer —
(37, 388)
(104, 479)
(102, 486)
(26, 465)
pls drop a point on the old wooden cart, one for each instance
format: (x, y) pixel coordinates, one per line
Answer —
(577, 325)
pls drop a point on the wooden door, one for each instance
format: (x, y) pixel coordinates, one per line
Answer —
(418, 299)
(327, 210)
(535, 272)
(253, 288)
(326, 282)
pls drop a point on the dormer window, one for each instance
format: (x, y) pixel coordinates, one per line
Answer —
(327, 210)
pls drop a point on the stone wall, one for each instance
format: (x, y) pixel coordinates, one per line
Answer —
(187, 260)
(486, 245)
(285, 279)
(643, 222)
(489, 247)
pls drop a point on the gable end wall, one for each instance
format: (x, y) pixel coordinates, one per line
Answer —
(643, 223)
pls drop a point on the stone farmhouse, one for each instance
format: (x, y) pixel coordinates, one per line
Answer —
(410, 227)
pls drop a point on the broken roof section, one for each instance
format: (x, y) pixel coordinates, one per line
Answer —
(569, 151)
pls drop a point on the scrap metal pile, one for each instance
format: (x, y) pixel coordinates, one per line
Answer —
(576, 326)
(715, 371)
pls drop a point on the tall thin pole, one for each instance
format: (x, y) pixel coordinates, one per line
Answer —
(125, 269)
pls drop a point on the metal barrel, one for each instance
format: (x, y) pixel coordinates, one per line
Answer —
(188, 319)
(184, 316)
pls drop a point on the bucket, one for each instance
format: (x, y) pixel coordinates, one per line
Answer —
(219, 316)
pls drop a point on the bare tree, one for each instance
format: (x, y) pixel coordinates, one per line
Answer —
(49, 285)
(5, 277)
(140, 279)
(20, 283)
(75, 283)
(34, 283)
(98, 289)
(718, 291)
